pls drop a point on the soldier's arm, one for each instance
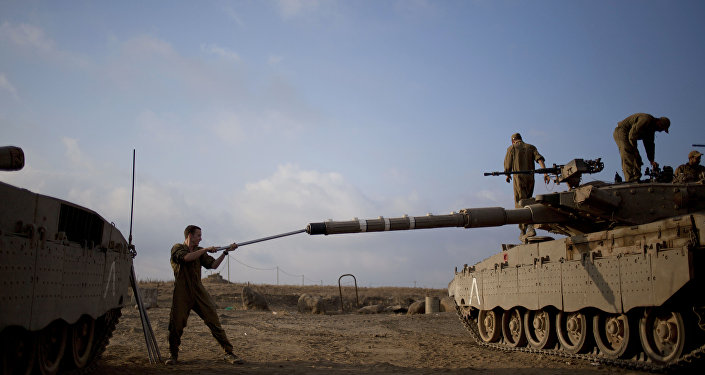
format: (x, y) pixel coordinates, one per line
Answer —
(650, 147)
(178, 253)
(190, 257)
(219, 260)
(541, 162)
(508, 159)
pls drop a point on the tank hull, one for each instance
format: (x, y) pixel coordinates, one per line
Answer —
(65, 275)
(645, 275)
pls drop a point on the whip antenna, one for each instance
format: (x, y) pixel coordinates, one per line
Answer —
(132, 201)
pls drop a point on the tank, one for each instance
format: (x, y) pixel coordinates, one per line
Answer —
(64, 277)
(621, 284)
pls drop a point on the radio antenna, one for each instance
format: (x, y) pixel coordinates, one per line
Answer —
(132, 205)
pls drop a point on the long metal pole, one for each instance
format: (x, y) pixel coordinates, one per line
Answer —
(138, 300)
(240, 244)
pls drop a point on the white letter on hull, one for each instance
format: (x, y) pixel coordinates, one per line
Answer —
(111, 276)
(474, 291)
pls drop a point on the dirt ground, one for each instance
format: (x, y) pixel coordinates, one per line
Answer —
(284, 341)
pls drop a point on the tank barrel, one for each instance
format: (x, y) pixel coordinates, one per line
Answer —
(466, 218)
(383, 224)
(11, 158)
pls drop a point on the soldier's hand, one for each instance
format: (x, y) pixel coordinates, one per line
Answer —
(509, 178)
(546, 178)
(654, 164)
(211, 249)
(232, 247)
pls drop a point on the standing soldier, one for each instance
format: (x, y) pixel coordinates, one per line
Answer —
(189, 293)
(692, 171)
(521, 157)
(633, 128)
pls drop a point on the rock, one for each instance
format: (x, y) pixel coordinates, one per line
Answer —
(149, 297)
(309, 303)
(447, 304)
(253, 300)
(215, 278)
(397, 309)
(374, 309)
(418, 307)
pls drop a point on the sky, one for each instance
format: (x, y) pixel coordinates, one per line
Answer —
(253, 118)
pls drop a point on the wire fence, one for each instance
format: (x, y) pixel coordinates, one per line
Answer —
(278, 270)
(304, 279)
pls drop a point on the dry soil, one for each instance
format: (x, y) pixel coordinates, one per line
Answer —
(284, 341)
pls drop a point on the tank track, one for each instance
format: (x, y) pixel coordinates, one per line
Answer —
(688, 362)
(105, 325)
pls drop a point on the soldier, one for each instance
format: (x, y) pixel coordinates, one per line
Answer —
(633, 128)
(521, 157)
(692, 171)
(189, 293)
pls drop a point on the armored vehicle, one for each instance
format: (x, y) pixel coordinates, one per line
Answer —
(621, 285)
(64, 277)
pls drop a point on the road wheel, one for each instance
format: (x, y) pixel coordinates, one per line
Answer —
(662, 334)
(51, 345)
(573, 331)
(488, 325)
(540, 329)
(82, 333)
(613, 334)
(17, 351)
(513, 328)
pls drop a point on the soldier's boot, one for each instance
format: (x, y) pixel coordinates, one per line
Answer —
(233, 359)
(172, 360)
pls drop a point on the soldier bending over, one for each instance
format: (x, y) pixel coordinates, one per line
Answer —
(630, 130)
(189, 293)
(521, 157)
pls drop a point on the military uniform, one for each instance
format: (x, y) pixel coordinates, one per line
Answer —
(690, 172)
(633, 128)
(521, 157)
(190, 294)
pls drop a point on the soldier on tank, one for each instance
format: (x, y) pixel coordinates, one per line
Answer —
(187, 258)
(691, 171)
(521, 157)
(633, 128)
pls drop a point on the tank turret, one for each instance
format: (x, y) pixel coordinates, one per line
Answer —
(623, 287)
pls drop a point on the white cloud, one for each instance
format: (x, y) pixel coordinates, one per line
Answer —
(492, 196)
(228, 127)
(7, 86)
(293, 8)
(274, 60)
(26, 36)
(221, 52)
(34, 38)
(300, 195)
(75, 155)
(233, 15)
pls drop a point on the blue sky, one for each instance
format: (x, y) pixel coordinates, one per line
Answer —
(252, 118)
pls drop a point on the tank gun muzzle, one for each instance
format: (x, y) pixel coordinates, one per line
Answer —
(11, 158)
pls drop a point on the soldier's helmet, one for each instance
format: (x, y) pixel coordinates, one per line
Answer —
(516, 136)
